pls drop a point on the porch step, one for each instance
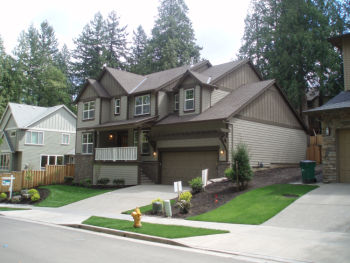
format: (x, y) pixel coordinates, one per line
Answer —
(145, 179)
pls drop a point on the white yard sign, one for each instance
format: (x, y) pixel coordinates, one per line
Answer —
(204, 177)
(8, 181)
(178, 187)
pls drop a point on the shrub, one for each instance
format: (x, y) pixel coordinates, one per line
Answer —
(33, 192)
(119, 182)
(68, 179)
(196, 185)
(243, 173)
(35, 197)
(103, 181)
(3, 196)
(184, 202)
(85, 182)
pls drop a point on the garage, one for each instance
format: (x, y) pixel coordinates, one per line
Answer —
(183, 166)
(344, 153)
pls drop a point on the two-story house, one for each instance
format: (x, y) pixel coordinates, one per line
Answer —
(335, 117)
(33, 137)
(169, 125)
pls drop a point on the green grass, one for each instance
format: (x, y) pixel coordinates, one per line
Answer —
(61, 195)
(144, 209)
(256, 206)
(166, 231)
(12, 208)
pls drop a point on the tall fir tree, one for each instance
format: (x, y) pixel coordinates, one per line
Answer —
(137, 59)
(287, 41)
(173, 41)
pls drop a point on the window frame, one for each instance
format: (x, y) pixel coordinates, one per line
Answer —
(186, 100)
(48, 156)
(89, 110)
(142, 105)
(136, 138)
(87, 143)
(31, 137)
(176, 102)
(62, 140)
(117, 112)
(5, 160)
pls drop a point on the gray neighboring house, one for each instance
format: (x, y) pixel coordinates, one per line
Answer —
(33, 137)
(169, 125)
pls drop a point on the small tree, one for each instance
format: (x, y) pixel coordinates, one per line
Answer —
(240, 172)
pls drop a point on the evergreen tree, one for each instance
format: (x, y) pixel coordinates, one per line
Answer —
(137, 60)
(287, 41)
(173, 41)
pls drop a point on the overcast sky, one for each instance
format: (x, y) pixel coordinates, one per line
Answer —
(218, 25)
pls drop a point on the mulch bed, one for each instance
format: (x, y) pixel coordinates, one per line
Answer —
(217, 194)
(43, 194)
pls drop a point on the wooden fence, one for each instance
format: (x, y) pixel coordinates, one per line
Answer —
(314, 150)
(53, 174)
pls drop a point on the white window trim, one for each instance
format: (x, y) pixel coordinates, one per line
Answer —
(89, 110)
(117, 107)
(185, 104)
(82, 143)
(30, 143)
(48, 159)
(62, 141)
(142, 105)
(176, 102)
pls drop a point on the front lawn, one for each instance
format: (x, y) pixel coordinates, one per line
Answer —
(2, 208)
(166, 231)
(256, 206)
(61, 195)
(145, 209)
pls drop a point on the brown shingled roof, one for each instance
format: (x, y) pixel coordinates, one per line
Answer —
(225, 108)
(129, 81)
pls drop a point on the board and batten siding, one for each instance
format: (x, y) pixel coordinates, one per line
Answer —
(162, 104)
(111, 85)
(206, 92)
(88, 123)
(128, 172)
(88, 93)
(346, 59)
(106, 110)
(61, 120)
(270, 143)
(243, 75)
(271, 107)
(217, 95)
(5, 120)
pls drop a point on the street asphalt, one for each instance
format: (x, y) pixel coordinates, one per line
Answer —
(315, 228)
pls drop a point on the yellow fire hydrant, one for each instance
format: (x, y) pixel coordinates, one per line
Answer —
(137, 217)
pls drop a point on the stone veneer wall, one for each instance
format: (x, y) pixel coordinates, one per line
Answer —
(222, 166)
(335, 121)
(83, 167)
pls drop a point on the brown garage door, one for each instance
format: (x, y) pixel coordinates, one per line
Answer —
(344, 155)
(183, 166)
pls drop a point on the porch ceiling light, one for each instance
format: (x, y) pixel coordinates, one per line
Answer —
(222, 152)
(111, 136)
(154, 154)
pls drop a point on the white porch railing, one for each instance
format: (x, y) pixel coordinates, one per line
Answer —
(116, 154)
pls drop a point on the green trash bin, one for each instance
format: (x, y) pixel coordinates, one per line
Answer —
(308, 171)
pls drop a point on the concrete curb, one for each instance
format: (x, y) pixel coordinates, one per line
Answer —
(126, 234)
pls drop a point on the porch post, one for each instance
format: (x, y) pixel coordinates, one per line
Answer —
(139, 156)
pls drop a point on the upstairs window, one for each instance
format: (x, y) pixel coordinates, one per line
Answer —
(87, 143)
(142, 105)
(65, 138)
(89, 110)
(117, 106)
(189, 99)
(176, 101)
(33, 137)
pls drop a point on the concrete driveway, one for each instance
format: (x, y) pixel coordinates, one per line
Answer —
(326, 208)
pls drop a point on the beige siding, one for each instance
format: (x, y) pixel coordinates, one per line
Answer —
(268, 143)
(88, 123)
(4, 148)
(162, 104)
(205, 98)
(239, 77)
(61, 120)
(123, 109)
(346, 58)
(153, 104)
(5, 120)
(171, 103)
(271, 107)
(112, 86)
(197, 97)
(106, 110)
(216, 95)
(127, 172)
(89, 92)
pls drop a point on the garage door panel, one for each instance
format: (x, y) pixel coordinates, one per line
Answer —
(344, 155)
(183, 166)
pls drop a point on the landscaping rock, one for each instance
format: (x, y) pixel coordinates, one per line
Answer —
(23, 192)
(16, 199)
(26, 196)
